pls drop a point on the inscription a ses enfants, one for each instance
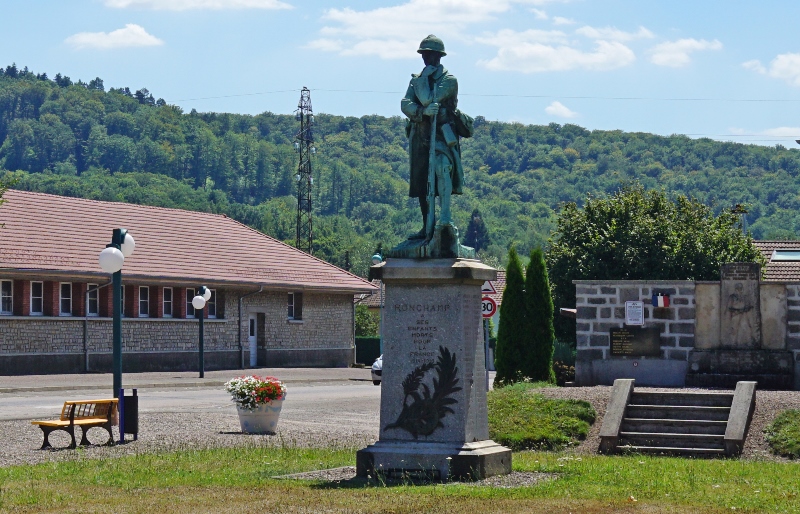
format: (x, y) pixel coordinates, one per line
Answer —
(423, 330)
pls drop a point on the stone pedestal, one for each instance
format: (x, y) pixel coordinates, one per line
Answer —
(433, 392)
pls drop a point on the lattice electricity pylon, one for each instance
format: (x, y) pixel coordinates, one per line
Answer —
(304, 144)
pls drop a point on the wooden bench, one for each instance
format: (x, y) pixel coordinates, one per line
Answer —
(85, 414)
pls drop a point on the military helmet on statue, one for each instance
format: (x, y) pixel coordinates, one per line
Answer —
(431, 44)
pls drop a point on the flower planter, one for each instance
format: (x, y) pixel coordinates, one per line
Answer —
(261, 420)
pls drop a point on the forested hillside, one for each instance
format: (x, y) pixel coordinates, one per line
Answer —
(78, 139)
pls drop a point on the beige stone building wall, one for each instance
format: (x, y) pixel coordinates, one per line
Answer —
(327, 325)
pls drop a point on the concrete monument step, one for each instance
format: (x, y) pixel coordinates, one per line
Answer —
(666, 450)
(682, 398)
(678, 412)
(664, 439)
(674, 426)
(741, 362)
(770, 381)
(682, 423)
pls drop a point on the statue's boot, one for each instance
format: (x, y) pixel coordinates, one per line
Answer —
(417, 235)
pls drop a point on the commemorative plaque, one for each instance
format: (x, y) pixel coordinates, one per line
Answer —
(636, 341)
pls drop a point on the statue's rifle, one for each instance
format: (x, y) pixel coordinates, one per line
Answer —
(430, 219)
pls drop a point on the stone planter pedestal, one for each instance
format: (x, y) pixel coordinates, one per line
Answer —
(261, 420)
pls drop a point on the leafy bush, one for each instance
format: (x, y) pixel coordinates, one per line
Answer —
(783, 434)
(564, 372)
(523, 419)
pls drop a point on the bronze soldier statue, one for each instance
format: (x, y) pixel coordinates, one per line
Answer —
(432, 100)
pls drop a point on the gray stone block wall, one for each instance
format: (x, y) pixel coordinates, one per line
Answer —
(601, 306)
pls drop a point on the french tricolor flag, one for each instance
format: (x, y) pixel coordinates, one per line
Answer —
(660, 300)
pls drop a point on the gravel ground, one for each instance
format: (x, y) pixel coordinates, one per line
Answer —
(177, 431)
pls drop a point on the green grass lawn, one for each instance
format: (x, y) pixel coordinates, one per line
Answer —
(783, 434)
(238, 480)
(522, 419)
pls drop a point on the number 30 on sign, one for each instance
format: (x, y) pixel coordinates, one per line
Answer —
(488, 307)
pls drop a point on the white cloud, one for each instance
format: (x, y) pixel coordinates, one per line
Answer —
(786, 67)
(533, 51)
(185, 5)
(395, 31)
(754, 65)
(613, 33)
(560, 20)
(792, 132)
(130, 36)
(540, 14)
(676, 53)
(560, 110)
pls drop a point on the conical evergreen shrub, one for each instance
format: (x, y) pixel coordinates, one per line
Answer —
(511, 332)
(537, 352)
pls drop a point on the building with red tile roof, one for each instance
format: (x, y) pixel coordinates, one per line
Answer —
(273, 305)
(783, 260)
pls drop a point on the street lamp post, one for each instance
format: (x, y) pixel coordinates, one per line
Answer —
(377, 259)
(111, 260)
(199, 304)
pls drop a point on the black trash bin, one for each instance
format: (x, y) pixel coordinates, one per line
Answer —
(128, 415)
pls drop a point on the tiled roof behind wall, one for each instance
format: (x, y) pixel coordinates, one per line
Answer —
(61, 234)
(781, 270)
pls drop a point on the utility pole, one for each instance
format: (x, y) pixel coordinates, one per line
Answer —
(304, 144)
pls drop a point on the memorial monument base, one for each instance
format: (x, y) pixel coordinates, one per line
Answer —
(434, 461)
(723, 368)
(444, 244)
(434, 423)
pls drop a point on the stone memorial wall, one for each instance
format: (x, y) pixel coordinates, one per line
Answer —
(710, 334)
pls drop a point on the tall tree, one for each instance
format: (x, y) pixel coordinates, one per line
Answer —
(477, 235)
(511, 334)
(537, 359)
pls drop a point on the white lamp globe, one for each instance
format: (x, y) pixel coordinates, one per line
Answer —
(207, 294)
(111, 260)
(377, 259)
(198, 302)
(127, 245)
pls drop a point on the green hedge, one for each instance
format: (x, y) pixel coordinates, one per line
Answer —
(367, 349)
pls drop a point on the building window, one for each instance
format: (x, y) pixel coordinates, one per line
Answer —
(211, 304)
(37, 298)
(65, 300)
(189, 307)
(6, 297)
(144, 301)
(296, 306)
(785, 255)
(167, 302)
(92, 300)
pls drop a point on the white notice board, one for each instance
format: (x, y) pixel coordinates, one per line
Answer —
(634, 313)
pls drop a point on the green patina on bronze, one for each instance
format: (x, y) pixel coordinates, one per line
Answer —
(434, 128)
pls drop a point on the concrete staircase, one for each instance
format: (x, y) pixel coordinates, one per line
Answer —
(677, 422)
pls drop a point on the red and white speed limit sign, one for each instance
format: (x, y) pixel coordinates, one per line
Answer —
(488, 307)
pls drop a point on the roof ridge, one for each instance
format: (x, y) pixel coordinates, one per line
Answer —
(92, 200)
(248, 227)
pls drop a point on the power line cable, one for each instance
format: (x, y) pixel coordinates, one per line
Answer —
(482, 95)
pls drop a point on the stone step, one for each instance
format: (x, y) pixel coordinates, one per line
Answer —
(661, 439)
(773, 381)
(682, 398)
(662, 450)
(678, 412)
(674, 426)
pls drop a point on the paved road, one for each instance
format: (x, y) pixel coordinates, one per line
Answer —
(357, 397)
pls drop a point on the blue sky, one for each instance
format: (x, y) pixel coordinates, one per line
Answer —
(729, 70)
